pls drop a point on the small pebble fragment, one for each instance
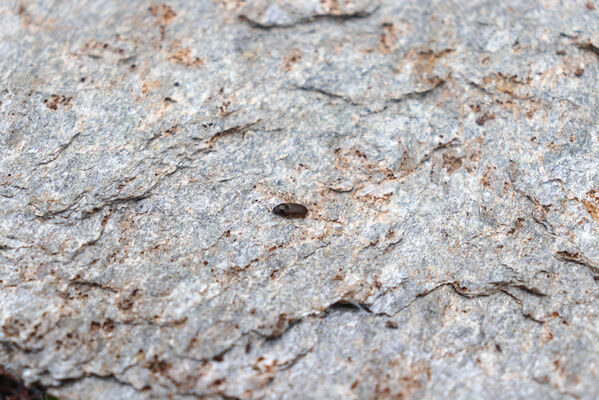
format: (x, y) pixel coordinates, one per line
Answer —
(290, 210)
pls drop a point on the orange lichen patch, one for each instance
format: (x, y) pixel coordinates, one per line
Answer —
(183, 56)
(547, 336)
(424, 61)
(291, 59)
(503, 83)
(352, 159)
(530, 108)
(484, 117)
(25, 16)
(399, 382)
(12, 326)
(231, 5)
(475, 107)
(57, 100)
(95, 49)
(373, 198)
(387, 37)
(485, 180)
(330, 6)
(570, 256)
(354, 166)
(33, 21)
(278, 327)
(163, 13)
(147, 87)
(451, 162)
(591, 204)
(172, 130)
(518, 224)
(158, 366)
(472, 153)
(435, 81)
(407, 164)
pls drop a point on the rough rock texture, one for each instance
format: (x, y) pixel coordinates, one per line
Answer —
(448, 152)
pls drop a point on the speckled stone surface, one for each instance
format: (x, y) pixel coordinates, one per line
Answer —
(447, 151)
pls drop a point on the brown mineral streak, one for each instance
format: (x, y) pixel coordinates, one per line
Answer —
(163, 12)
(591, 204)
(57, 100)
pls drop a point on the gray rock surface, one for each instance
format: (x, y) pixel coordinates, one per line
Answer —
(448, 152)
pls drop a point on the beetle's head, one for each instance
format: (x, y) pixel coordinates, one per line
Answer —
(281, 209)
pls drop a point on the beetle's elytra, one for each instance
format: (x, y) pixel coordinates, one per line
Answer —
(290, 210)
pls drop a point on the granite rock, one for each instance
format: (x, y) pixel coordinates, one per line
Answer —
(447, 151)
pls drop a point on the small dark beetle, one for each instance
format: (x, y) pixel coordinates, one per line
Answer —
(290, 210)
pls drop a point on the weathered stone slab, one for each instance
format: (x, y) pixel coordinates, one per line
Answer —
(447, 151)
